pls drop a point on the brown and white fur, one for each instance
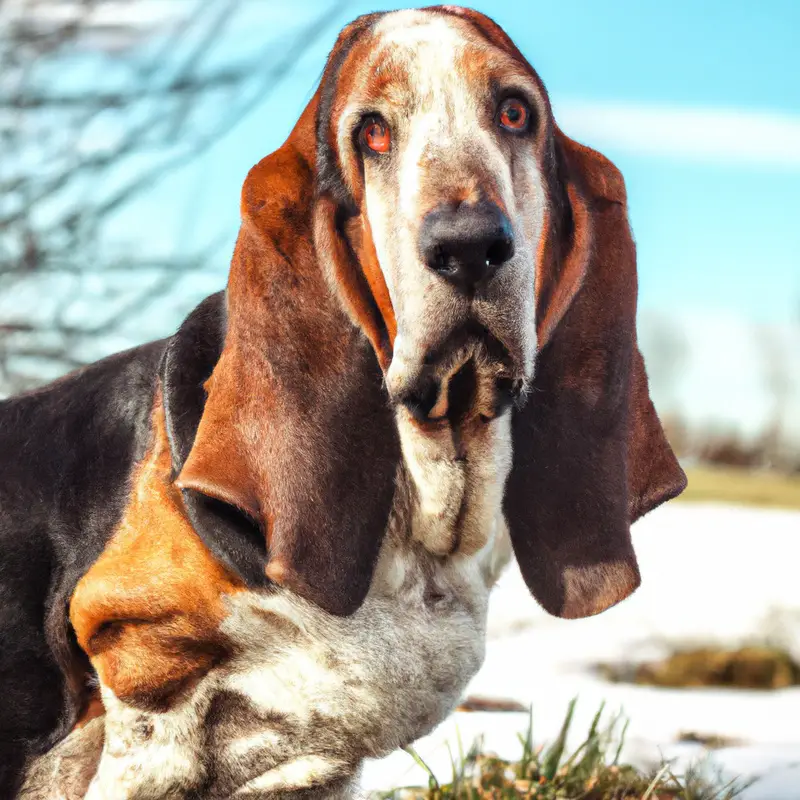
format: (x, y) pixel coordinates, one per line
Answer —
(304, 695)
(308, 695)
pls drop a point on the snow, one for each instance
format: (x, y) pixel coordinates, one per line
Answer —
(710, 574)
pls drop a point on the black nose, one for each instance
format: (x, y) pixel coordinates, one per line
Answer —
(466, 245)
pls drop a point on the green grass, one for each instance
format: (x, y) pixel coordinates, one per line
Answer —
(742, 486)
(592, 772)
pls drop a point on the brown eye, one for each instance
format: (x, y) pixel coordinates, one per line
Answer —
(376, 135)
(514, 114)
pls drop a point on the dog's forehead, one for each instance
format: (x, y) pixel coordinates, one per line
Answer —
(412, 28)
(411, 55)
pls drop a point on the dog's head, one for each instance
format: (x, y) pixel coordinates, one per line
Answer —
(435, 148)
(428, 195)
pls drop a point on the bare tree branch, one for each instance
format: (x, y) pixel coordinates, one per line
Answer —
(60, 185)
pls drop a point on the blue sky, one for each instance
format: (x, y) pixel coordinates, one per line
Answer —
(697, 103)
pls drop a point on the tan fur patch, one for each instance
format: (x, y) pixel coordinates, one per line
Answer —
(148, 611)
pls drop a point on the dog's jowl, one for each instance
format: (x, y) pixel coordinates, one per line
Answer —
(267, 543)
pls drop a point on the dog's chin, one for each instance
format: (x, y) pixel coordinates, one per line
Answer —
(474, 379)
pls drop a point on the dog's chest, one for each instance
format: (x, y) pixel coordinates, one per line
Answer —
(305, 696)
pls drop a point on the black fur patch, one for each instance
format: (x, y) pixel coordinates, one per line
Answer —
(67, 451)
(189, 359)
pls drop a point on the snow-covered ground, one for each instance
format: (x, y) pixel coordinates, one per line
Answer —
(710, 574)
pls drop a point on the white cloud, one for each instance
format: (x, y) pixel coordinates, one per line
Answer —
(727, 135)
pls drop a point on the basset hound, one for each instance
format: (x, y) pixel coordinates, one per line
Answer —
(269, 540)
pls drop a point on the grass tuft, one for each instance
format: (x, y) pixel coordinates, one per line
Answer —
(588, 773)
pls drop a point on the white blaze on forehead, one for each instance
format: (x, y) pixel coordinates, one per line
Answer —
(412, 27)
(445, 110)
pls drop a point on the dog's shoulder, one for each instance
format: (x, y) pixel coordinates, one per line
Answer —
(68, 452)
(67, 448)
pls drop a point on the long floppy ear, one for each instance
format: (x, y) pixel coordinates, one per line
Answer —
(590, 456)
(290, 475)
(189, 361)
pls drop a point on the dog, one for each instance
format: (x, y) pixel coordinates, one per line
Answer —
(268, 541)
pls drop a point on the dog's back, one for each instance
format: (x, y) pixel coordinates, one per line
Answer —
(65, 455)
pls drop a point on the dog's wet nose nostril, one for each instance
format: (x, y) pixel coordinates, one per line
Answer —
(466, 246)
(499, 251)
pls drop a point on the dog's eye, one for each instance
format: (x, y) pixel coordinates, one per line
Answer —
(514, 114)
(376, 135)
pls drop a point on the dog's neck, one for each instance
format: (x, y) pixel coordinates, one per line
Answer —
(457, 479)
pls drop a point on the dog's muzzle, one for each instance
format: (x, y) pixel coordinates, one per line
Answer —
(454, 368)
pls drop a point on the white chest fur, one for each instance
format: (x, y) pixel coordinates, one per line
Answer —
(308, 696)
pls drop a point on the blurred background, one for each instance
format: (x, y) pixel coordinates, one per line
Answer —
(127, 127)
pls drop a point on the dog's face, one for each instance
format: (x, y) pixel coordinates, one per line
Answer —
(427, 193)
(439, 135)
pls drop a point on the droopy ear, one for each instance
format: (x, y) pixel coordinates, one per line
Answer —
(590, 456)
(291, 472)
(189, 361)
